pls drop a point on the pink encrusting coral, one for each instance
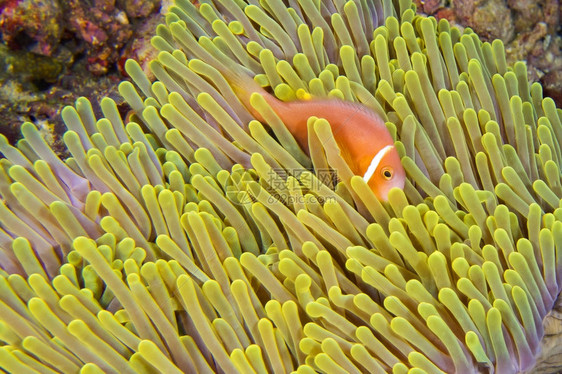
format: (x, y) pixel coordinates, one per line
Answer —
(194, 238)
(56, 28)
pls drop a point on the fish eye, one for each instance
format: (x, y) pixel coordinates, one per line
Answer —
(387, 173)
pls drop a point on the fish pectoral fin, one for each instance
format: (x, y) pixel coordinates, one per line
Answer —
(345, 153)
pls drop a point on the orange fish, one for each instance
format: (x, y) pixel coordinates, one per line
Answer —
(364, 140)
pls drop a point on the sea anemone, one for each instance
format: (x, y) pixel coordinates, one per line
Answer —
(196, 239)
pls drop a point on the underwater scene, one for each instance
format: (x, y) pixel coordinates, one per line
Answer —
(280, 186)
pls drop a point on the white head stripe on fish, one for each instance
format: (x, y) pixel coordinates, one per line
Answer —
(375, 162)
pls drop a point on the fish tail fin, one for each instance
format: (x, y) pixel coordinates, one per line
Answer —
(239, 77)
(242, 83)
(244, 86)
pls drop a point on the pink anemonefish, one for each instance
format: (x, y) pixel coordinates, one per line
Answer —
(364, 140)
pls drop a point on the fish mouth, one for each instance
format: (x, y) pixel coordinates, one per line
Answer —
(376, 161)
